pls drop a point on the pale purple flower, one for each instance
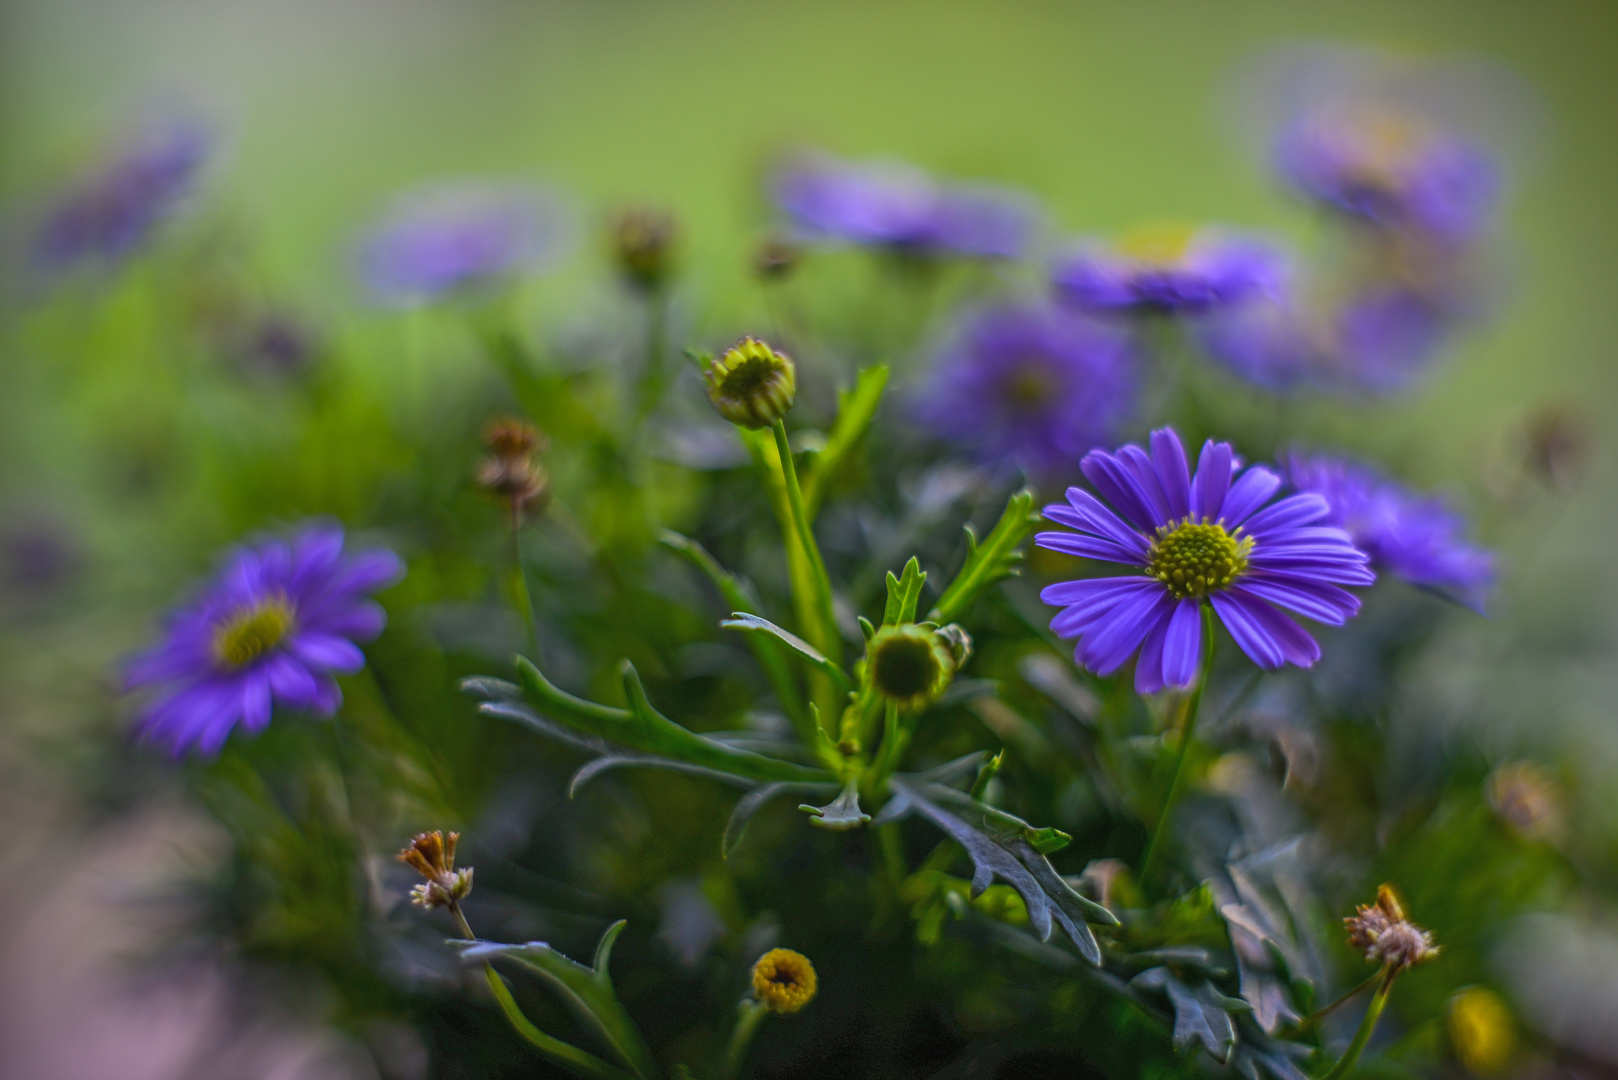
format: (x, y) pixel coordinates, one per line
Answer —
(460, 237)
(109, 213)
(891, 205)
(1183, 272)
(1414, 537)
(272, 629)
(1030, 383)
(1195, 539)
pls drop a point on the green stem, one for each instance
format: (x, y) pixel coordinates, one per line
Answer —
(525, 599)
(655, 376)
(1367, 1026)
(580, 1061)
(1187, 725)
(1315, 1017)
(752, 1012)
(831, 643)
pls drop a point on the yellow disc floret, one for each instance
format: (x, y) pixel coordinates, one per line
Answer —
(1194, 558)
(251, 632)
(783, 980)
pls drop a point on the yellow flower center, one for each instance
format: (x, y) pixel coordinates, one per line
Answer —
(252, 631)
(784, 981)
(1157, 245)
(1194, 558)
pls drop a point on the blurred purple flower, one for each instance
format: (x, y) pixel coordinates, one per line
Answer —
(1414, 537)
(1391, 169)
(1174, 271)
(109, 212)
(1206, 538)
(1030, 383)
(273, 628)
(461, 236)
(1379, 341)
(892, 205)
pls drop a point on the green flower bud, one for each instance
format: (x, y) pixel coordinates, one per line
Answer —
(909, 665)
(752, 385)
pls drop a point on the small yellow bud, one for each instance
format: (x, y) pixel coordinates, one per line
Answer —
(784, 981)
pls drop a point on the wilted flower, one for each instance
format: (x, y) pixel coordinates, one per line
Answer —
(275, 626)
(1203, 539)
(1414, 537)
(643, 242)
(891, 205)
(1030, 383)
(752, 384)
(512, 469)
(784, 981)
(1387, 937)
(461, 236)
(910, 664)
(108, 213)
(1175, 270)
(1528, 798)
(432, 854)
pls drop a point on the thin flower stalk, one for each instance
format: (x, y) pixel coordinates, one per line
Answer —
(1188, 725)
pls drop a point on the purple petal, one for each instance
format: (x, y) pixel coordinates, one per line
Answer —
(315, 552)
(328, 696)
(1168, 461)
(1293, 641)
(291, 682)
(1309, 568)
(1315, 600)
(1289, 513)
(1118, 633)
(1182, 645)
(1086, 512)
(1250, 491)
(1248, 632)
(1087, 547)
(1149, 668)
(1212, 482)
(1086, 609)
(1140, 468)
(256, 701)
(1112, 479)
(326, 652)
(358, 622)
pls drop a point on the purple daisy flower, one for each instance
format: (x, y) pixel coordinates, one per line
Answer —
(279, 621)
(1415, 537)
(1391, 169)
(1031, 383)
(891, 205)
(109, 213)
(461, 236)
(1177, 270)
(1200, 539)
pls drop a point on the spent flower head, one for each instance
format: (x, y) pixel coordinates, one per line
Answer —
(643, 246)
(1386, 935)
(1529, 800)
(512, 470)
(432, 855)
(752, 384)
(784, 981)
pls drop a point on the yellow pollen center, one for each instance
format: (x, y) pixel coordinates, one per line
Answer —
(1029, 386)
(251, 632)
(1157, 245)
(1194, 558)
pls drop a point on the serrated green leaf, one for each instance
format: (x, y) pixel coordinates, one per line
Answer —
(1201, 1012)
(587, 991)
(903, 593)
(855, 409)
(753, 624)
(841, 814)
(643, 728)
(997, 557)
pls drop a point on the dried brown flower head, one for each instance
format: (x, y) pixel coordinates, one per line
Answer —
(512, 470)
(775, 258)
(643, 243)
(432, 854)
(1529, 800)
(784, 981)
(1387, 937)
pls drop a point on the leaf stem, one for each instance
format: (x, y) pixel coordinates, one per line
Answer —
(525, 599)
(831, 643)
(580, 1061)
(1315, 1017)
(750, 1015)
(1188, 724)
(1367, 1025)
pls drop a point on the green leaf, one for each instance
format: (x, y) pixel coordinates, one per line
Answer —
(995, 558)
(1201, 1013)
(903, 593)
(753, 801)
(1044, 840)
(741, 620)
(855, 410)
(586, 990)
(841, 814)
(643, 728)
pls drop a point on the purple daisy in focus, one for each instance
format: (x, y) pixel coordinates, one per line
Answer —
(1031, 383)
(899, 207)
(1415, 537)
(109, 213)
(461, 236)
(272, 629)
(1202, 539)
(1174, 270)
(1392, 169)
